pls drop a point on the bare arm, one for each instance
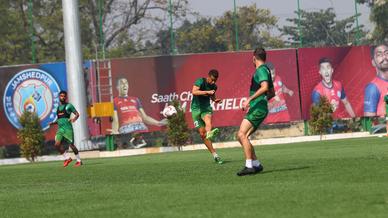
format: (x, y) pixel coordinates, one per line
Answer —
(75, 118)
(348, 107)
(287, 90)
(141, 144)
(215, 99)
(151, 121)
(263, 89)
(271, 93)
(196, 91)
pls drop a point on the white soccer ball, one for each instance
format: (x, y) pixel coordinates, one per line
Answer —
(169, 111)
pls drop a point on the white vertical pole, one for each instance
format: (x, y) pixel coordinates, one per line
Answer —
(74, 71)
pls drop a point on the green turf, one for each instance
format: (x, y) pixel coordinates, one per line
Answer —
(341, 178)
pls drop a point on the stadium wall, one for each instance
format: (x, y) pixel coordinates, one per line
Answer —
(155, 81)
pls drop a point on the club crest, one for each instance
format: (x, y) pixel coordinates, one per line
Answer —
(33, 90)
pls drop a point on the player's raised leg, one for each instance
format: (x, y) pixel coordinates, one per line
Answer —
(210, 134)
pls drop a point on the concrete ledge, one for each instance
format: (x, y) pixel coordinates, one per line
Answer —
(151, 150)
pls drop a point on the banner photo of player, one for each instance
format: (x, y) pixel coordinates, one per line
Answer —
(129, 115)
(341, 74)
(377, 88)
(331, 89)
(277, 106)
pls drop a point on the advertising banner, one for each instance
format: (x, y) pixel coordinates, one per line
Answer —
(353, 78)
(30, 87)
(343, 75)
(143, 87)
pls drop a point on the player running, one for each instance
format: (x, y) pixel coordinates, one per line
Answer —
(204, 89)
(65, 129)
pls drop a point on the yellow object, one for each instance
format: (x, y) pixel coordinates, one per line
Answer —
(101, 109)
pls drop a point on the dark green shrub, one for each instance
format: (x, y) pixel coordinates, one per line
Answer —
(31, 136)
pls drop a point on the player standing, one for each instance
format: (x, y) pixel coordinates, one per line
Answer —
(204, 89)
(260, 92)
(65, 128)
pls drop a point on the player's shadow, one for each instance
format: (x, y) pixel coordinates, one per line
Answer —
(226, 161)
(93, 163)
(285, 169)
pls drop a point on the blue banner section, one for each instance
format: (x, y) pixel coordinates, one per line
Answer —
(58, 72)
(35, 90)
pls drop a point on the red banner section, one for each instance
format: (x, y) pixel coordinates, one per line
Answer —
(154, 82)
(143, 86)
(344, 85)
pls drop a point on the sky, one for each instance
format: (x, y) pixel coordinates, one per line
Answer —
(283, 8)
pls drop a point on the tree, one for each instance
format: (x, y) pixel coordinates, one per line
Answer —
(31, 135)
(178, 131)
(218, 34)
(255, 26)
(14, 42)
(320, 28)
(378, 15)
(199, 36)
(121, 20)
(321, 116)
(129, 22)
(191, 37)
(125, 46)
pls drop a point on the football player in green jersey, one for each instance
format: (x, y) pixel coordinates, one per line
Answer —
(65, 128)
(261, 90)
(204, 90)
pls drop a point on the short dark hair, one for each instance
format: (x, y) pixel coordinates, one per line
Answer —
(325, 60)
(213, 73)
(260, 53)
(63, 92)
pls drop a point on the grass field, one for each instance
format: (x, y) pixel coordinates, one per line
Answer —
(341, 178)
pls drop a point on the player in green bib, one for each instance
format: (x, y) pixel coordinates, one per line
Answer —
(260, 92)
(65, 128)
(204, 90)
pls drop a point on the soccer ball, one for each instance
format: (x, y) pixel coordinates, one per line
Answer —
(169, 111)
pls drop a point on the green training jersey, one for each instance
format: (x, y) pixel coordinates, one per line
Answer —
(262, 73)
(202, 101)
(63, 113)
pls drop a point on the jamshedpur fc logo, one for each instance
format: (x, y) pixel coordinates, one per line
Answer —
(34, 90)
